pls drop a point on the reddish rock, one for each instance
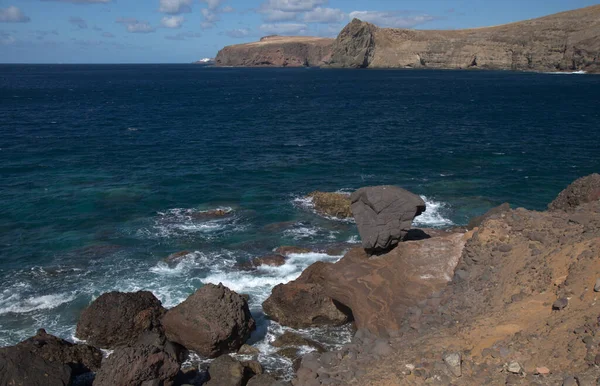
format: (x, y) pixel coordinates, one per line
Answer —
(119, 319)
(581, 191)
(212, 321)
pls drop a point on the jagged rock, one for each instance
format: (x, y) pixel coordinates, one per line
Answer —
(140, 365)
(226, 371)
(583, 190)
(277, 51)
(118, 318)
(19, 366)
(158, 339)
(384, 215)
(331, 204)
(212, 321)
(302, 302)
(291, 339)
(354, 46)
(248, 350)
(82, 358)
(476, 221)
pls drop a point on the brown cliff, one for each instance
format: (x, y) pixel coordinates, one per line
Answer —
(566, 41)
(277, 51)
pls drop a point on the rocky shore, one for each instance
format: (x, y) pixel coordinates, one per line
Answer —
(567, 41)
(511, 300)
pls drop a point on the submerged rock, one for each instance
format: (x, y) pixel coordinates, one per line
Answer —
(583, 190)
(289, 339)
(212, 321)
(118, 319)
(140, 365)
(384, 215)
(269, 260)
(288, 250)
(332, 204)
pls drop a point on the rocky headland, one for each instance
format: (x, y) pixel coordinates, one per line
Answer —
(513, 300)
(566, 41)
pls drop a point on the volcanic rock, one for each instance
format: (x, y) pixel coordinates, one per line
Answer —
(302, 303)
(291, 339)
(265, 380)
(274, 260)
(289, 250)
(497, 211)
(82, 358)
(384, 214)
(331, 204)
(140, 365)
(581, 191)
(19, 366)
(212, 321)
(226, 371)
(118, 319)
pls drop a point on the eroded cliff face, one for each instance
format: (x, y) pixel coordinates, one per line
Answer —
(277, 51)
(567, 41)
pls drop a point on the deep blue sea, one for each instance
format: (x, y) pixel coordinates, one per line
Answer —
(106, 169)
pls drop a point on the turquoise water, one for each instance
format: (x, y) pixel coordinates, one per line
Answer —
(105, 170)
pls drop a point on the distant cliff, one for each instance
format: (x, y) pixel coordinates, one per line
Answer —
(277, 51)
(566, 41)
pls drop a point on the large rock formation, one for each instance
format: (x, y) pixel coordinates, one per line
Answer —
(277, 51)
(583, 190)
(212, 321)
(21, 367)
(384, 215)
(118, 319)
(567, 41)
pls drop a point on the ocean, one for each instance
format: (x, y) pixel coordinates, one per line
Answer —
(105, 170)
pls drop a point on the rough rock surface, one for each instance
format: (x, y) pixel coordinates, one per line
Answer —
(274, 260)
(212, 321)
(567, 41)
(384, 215)
(288, 250)
(226, 371)
(302, 303)
(496, 315)
(331, 204)
(583, 190)
(21, 367)
(277, 51)
(118, 319)
(497, 211)
(140, 365)
(81, 358)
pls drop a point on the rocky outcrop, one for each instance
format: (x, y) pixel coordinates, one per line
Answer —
(303, 303)
(331, 204)
(277, 51)
(21, 367)
(212, 321)
(82, 358)
(583, 190)
(567, 41)
(226, 371)
(139, 365)
(384, 215)
(497, 211)
(119, 319)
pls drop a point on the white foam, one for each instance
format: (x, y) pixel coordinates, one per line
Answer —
(15, 304)
(433, 216)
(301, 232)
(581, 72)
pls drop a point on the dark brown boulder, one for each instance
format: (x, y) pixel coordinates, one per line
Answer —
(212, 321)
(290, 339)
(384, 214)
(583, 190)
(302, 303)
(275, 260)
(21, 367)
(331, 204)
(176, 257)
(140, 365)
(226, 371)
(497, 211)
(288, 250)
(80, 357)
(119, 319)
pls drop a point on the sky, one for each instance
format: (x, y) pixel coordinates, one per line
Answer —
(183, 31)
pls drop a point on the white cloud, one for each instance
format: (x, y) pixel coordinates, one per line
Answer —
(78, 22)
(277, 15)
(393, 19)
(324, 15)
(136, 26)
(172, 21)
(13, 14)
(6, 38)
(238, 33)
(82, 1)
(284, 29)
(175, 7)
(292, 5)
(212, 4)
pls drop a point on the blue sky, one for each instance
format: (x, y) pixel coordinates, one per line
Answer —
(181, 31)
